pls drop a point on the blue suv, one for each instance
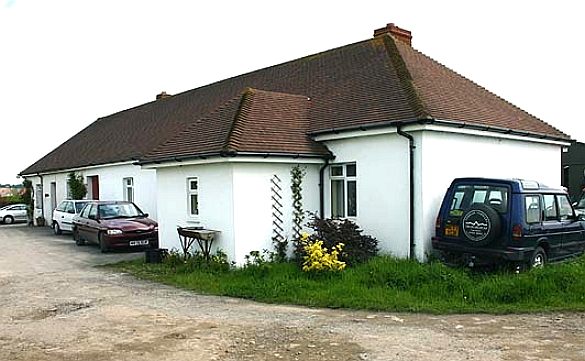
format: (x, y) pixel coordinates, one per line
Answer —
(487, 221)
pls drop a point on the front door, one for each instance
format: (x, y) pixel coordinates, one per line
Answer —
(93, 186)
(53, 195)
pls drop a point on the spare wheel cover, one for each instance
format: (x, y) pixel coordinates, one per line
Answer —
(477, 225)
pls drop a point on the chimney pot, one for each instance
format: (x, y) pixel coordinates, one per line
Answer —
(162, 95)
(400, 34)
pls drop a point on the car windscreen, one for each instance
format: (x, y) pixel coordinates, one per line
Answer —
(466, 195)
(124, 210)
(79, 206)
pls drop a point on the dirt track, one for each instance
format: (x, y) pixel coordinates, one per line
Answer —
(55, 305)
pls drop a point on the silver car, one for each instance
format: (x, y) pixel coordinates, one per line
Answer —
(13, 213)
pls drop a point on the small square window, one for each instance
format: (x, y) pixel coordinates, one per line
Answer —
(350, 170)
(193, 184)
(336, 170)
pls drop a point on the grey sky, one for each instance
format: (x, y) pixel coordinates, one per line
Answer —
(64, 63)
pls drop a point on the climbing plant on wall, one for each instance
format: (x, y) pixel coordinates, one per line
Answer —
(297, 174)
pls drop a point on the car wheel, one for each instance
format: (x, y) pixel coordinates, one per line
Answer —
(56, 228)
(76, 238)
(539, 258)
(8, 219)
(103, 246)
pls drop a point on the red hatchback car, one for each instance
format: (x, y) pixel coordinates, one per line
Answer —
(114, 224)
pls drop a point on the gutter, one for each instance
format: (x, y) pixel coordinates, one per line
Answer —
(411, 146)
(230, 154)
(447, 123)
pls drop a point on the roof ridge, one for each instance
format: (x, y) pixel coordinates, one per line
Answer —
(247, 97)
(486, 90)
(405, 77)
(196, 122)
(278, 92)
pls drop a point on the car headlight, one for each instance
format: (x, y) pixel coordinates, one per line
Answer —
(114, 231)
(155, 229)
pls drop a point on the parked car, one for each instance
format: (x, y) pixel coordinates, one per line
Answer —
(580, 205)
(12, 213)
(114, 224)
(64, 213)
(493, 220)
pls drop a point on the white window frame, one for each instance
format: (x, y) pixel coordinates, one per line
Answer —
(192, 192)
(128, 187)
(346, 179)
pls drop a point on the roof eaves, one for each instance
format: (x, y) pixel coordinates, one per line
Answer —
(231, 154)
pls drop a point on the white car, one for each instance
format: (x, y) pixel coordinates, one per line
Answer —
(64, 213)
(12, 213)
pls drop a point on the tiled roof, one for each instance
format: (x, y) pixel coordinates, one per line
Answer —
(272, 110)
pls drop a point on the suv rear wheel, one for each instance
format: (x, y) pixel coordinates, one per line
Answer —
(539, 258)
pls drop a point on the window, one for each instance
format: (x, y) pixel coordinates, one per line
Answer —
(193, 196)
(79, 206)
(533, 211)
(343, 190)
(550, 207)
(466, 195)
(85, 211)
(565, 209)
(62, 206)
(93, 212)
(69, 208)
(128, 189)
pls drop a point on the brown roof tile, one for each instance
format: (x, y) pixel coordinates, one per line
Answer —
(371, 82)
(449, 96)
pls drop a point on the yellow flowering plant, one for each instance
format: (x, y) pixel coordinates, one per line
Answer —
(318, 258)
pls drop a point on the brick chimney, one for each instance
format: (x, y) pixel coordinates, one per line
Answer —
(162, 95)
(400, 34)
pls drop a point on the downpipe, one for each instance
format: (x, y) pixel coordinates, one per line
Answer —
(411, 147)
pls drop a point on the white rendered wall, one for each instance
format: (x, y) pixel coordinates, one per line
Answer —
(110, 186)
(235, 199)
(253, 203)
(215, 197)
(382, 187)
(445, 156)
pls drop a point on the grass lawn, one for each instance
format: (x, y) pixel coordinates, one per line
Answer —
(385, 283)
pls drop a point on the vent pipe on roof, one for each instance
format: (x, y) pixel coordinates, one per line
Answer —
(163, 95)
(403, 35)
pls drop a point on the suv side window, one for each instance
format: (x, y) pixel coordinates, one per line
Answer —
(533, 209)
(565, 209)
(550, 208)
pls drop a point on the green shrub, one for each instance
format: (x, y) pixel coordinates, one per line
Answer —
(358, 247)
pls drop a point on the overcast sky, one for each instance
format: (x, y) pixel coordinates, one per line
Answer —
(65, 63)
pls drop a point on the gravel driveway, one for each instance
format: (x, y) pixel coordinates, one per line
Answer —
(55, 305)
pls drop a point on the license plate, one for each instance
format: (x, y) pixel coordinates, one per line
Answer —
(451, 230)
(139, 243)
